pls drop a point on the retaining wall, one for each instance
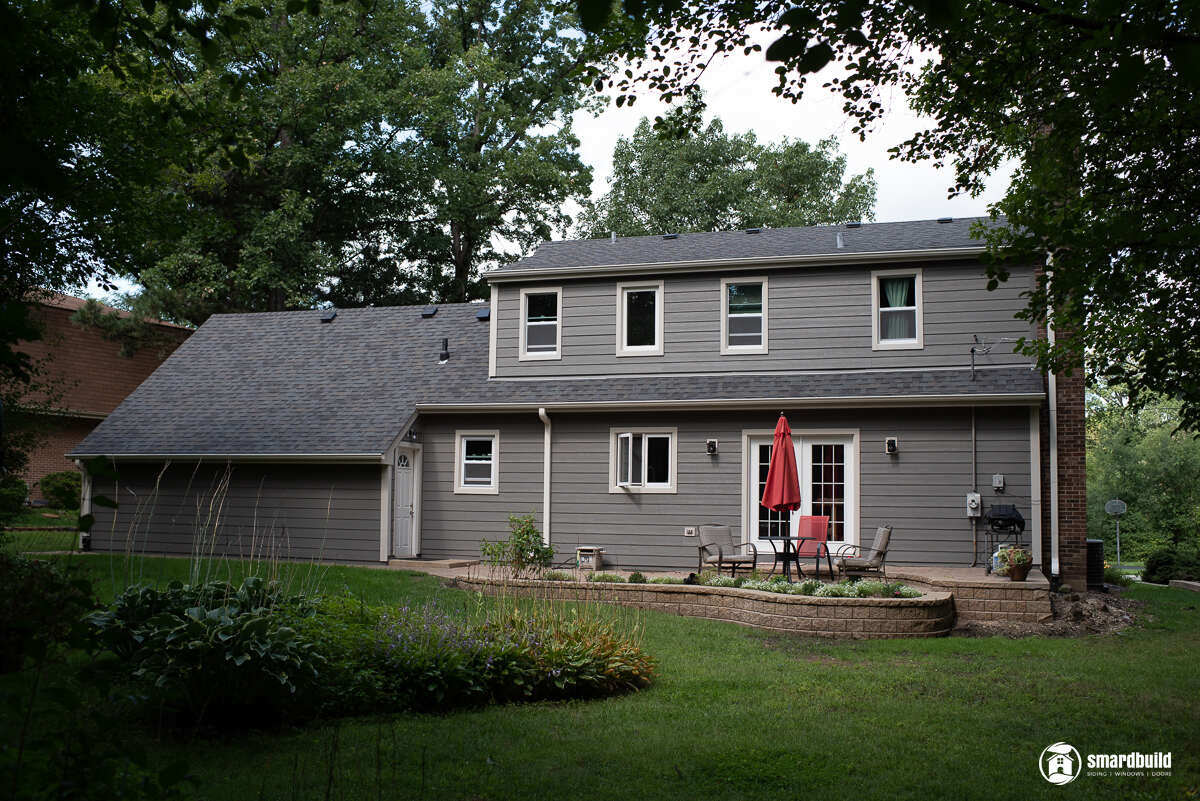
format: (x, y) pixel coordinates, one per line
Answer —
(931, 615)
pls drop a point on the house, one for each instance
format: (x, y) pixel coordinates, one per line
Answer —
(87, 377)
(622, 390)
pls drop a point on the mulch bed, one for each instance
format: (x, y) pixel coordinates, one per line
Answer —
(1077, 614)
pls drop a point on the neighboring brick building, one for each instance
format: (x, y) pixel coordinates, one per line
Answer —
(90, 378)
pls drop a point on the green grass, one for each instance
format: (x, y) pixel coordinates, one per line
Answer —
(36, 516)
(43, 540)
(741, 714)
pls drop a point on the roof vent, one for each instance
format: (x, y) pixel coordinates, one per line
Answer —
(841, 242)
(854, 225)
(945, 219)
(754, 230)
(670, 236)
(444, 356)
(483, 314)
(328, 315)
(429, 311)
(612, 236)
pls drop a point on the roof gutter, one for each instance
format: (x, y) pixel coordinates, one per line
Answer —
(299, 458)
(1004, 399)
(759, 262)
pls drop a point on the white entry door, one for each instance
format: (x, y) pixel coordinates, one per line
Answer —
(402, 515)
(828, 486)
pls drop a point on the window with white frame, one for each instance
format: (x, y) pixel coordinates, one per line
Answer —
(541, 323)
(642, 460)
(896, 310)
(640, 319)
(744, 315)
(477, 462)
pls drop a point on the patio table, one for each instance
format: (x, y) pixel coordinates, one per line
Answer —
(791, 554)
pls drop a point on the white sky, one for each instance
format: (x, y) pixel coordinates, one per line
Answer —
(738, 90)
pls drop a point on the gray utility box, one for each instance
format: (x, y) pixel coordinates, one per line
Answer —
(589, 557)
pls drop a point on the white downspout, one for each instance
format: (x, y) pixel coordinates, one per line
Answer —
(85, 499)
(1053, 406)
(545, 418)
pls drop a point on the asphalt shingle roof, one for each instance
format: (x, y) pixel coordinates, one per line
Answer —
(287, 384)
(814, 240)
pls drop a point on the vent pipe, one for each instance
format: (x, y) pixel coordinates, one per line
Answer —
(444, 356)
(612, 236)
(841, 242)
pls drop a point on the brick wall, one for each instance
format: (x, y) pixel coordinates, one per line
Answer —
(88, 375)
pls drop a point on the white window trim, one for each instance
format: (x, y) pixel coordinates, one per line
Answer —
(547, 355)
(726, 348)
(659, 300)
(461, 489)
(653, 489)
(897, 344)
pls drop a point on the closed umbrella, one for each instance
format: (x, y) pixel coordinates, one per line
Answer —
(782, 492)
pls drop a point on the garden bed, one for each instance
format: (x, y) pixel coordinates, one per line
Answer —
(929, 615)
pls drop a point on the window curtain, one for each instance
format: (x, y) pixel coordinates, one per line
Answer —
(898, 293)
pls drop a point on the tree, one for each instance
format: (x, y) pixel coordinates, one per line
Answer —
(1142, 457)
(1098, 103)
(684, 176)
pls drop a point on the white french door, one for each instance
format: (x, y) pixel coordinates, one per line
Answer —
(828, 486)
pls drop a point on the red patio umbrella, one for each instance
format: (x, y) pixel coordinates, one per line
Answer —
(782, 492)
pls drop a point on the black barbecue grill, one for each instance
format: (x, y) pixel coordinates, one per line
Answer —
(1004, 523)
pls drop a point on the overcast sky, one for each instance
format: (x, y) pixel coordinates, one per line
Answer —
(738, 90)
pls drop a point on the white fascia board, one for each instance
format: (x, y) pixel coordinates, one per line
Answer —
(814, 260)
(1003, 399)
(302, 458)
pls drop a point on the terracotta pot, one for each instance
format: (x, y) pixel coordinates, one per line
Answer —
(1019, 572)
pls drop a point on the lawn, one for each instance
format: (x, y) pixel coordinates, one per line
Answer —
(741, 714)
(43, 539)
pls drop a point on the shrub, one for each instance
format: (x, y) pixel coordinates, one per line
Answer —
(722, 581)
(213, 651)
(524, 552)
(1114, 576)
(636, 577)
(41, 605)
(13, 493)
(557, 575)
(1165, 564)
(62, 489)
(609, 577)
(665, 580)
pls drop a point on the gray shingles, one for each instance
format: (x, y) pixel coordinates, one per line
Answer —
(284, 383)
(772, 242)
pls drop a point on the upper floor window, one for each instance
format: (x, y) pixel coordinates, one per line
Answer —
(642, 460)
(744, 315)
(541, 324)
(640, 319)
(477, 462)
(896, 310)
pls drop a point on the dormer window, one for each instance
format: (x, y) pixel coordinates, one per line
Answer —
(896, 310)
(640, 319)
(744, 315)
(541, 323)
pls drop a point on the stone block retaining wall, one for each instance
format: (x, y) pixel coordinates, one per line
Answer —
(931, 615)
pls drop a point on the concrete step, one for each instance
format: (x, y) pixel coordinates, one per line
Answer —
(425, 564)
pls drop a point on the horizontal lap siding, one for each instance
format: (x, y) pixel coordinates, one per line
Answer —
(453, 525)
(818, 319)
(921, 492)
(293, 511)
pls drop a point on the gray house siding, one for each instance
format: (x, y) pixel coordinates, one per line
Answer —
(329, 512)
(818, 319)
(452, 524)
(921, 491)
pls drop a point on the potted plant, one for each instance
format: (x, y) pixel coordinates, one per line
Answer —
(1016, 562)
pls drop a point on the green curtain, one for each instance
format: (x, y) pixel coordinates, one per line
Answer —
(897, 324)
(898, 291)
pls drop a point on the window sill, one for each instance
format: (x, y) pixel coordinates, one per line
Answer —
(662, 490)
(540, 357)
(639, 352)
(915, 344)
(747, 350)
(476, 490)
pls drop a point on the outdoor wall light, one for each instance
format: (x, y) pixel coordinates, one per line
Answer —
(891, 446)
(710, 446)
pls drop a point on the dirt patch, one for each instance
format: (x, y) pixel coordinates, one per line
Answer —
(1076, 614)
